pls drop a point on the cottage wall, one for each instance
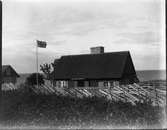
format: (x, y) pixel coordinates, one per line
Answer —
(75, 83)
(71, 84)
(101, 84)
(86, 83)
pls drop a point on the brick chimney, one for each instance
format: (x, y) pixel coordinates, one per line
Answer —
(97, 50)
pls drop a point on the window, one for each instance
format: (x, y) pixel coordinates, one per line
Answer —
(80, 84)
(108, 83)
(111, 83)
(116, 83)
(105, 84)
(63, 83)
(93, 83)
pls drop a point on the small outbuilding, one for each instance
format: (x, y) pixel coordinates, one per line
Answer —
(9, 75)
(97, 69)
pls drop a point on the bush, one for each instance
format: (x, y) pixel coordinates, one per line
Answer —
(32, 79)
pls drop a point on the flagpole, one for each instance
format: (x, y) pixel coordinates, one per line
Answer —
(37, 62)
(41, 44)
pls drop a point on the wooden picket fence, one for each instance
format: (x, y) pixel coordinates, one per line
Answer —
(128, 93)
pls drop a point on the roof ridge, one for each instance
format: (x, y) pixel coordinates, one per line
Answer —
(96, 54)
(5, 65)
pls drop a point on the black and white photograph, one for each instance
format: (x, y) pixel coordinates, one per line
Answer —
(83, 64)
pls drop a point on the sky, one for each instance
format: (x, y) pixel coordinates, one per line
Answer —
(73, 26)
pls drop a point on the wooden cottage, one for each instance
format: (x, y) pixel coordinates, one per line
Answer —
(95, 69)
(9, 75)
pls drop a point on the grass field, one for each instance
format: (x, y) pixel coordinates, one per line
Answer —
(29, 109)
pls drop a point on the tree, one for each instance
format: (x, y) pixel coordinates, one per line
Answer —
(48, 69)
(32, 79)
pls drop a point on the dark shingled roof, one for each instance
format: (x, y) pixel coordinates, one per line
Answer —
(92, 66)
(12, 71)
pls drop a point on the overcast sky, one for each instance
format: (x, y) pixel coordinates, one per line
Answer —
(72, 27)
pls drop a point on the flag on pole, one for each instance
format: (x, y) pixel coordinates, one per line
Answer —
(41, 44)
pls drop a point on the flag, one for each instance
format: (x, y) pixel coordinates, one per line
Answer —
(41, 44)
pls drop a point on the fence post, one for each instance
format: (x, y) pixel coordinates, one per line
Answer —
(109, 85)
(156, 95)
(124, 95)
